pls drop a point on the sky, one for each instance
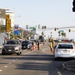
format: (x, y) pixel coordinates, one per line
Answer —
(52, 13)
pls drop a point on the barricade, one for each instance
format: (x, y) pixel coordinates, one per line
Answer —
(34, 47)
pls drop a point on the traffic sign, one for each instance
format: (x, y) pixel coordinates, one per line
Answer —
(61, 31)
(8, 25)
(7, 16)
(16, 27)
(16, 32)
(32, 28)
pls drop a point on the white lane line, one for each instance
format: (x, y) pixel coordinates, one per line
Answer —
(43, 50)
(9, 62)
(59, 73)
(5, 66)
(13, 60)
(1, 70)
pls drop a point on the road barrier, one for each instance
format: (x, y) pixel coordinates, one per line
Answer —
(34, 47)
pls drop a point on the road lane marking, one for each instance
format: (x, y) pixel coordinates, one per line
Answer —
(9, 62)
(13, 60)
(5, 66)
(59, 73)
(1, 70)
(43, 50)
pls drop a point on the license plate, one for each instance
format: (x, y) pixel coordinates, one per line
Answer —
(24, 46)
(9, 50)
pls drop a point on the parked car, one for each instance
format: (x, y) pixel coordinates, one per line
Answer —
(12, 46)
(35, 41)
(26, 44)
(65, 50)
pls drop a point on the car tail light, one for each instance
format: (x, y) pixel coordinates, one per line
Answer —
(73, 51)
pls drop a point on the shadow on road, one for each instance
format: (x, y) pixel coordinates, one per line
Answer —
(32, 57)
(39, 62)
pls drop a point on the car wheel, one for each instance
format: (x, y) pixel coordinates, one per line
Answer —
(3, 53)
(55, 58)
(18, 53)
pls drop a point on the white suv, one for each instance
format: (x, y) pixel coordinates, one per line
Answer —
(65, 50)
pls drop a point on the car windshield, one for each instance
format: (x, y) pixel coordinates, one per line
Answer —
(67, 46)
(25, 42)
(11, 42)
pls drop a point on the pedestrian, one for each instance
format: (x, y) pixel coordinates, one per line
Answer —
(51, 47)
(32, 43)
(38, 45)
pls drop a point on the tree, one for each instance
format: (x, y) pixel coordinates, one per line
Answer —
(63, 34)
(42, 33)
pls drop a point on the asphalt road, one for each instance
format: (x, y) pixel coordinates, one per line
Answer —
(33, 63)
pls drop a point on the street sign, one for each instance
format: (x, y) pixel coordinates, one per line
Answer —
(16, 32)
(8, 25)
(32, 28)
(7, 16)
(61, 31)
(16, 26)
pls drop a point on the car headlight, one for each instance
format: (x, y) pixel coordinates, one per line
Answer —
(16, 48)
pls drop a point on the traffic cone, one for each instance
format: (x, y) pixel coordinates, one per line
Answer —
(32, 48)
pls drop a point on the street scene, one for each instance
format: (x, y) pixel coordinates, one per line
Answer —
(37, 37)
(33, 62)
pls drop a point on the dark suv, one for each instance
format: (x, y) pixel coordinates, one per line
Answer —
(26, 44)
(12, 46)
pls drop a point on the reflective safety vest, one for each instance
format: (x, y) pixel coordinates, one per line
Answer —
(51, 45)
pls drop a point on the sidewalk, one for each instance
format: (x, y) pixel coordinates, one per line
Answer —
(70, 65)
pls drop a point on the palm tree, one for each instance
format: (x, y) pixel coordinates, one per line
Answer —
(63, 34)
(59, 33)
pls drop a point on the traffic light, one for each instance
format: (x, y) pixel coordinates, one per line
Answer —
(26, 26)
(44, 27)
(8, 25)
(73, 9)
(55, 29)
(69, 30)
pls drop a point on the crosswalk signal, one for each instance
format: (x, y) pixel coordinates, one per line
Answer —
(73, 9)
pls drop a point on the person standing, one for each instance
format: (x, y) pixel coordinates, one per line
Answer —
(38, 45)
(51, 46)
